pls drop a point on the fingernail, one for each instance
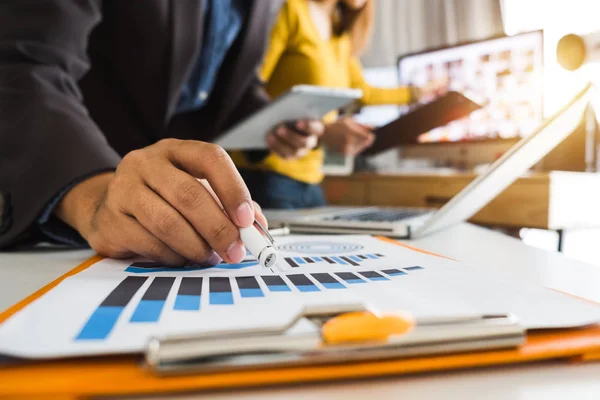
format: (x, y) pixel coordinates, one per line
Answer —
(302, 125)
(281, 131)
(245, 215)
(236, 252)
(214, 259)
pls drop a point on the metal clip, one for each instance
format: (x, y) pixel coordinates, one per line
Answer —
(264, 231)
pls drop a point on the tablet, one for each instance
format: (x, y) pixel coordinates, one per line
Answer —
(408, 127)
(300, 102)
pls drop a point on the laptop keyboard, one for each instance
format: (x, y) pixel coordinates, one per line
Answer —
(378, 215)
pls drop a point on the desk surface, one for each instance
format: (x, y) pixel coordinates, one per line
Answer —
(23, 273)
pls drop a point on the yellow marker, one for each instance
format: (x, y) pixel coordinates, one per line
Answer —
(364, 326)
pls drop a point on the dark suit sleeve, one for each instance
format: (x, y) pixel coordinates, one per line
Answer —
(253, 99)
(47, 138)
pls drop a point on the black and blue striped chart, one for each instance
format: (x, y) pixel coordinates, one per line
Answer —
(346, 260)
(151, 267)
(220, 291)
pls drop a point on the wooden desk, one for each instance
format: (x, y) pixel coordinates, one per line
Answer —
(555, 200)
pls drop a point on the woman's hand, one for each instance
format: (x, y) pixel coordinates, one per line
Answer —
(348, 137)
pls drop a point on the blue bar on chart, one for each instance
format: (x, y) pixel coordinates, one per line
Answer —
(318, 259)
(393, 272)
(291, 262)
(189, 294)
(220, 291)
(372, 256)
(249, 286)
(328, 281)
(104, 318)
(153, 301)
(373, 276)
(275, 283)
(242, 265)
(303, 283)
(355, 258)
(339, 260)
(350, 278)
(299, 260)
(415, 268)
(349, 261)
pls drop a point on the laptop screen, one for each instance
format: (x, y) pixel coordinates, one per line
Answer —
(506, 72)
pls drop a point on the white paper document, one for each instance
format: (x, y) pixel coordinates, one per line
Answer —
(115, 306)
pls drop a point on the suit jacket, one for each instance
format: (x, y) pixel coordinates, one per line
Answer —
(83, 82)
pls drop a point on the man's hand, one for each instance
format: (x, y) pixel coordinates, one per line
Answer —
(289, 144)
(348, 137)
(154, 206)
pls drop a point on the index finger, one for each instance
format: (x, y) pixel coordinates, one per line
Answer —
(209, 161)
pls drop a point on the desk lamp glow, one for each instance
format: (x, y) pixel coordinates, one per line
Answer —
(582, 53)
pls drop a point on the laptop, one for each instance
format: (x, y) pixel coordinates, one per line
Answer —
(415, 223)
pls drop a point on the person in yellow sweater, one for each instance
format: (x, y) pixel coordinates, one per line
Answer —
(315, 42)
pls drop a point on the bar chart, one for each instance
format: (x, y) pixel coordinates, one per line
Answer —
(221, 291)
(149, 267)
(322, 247)
(347, 260)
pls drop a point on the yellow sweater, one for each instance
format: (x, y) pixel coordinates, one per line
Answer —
(297, 54)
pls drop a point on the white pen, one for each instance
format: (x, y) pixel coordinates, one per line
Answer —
(260, 243)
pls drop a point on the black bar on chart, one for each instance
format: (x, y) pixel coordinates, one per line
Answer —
(379, 255)
(220, 291)
(349, 261)
(309, 260)
(291, 262)
(329, 260)
(122, 294)
(189, 294)
(350, 277)
(362, 257)
(328, 281)
(303, 283)
(415, 268)
(275, 283)
(247, 282)
(374, 276)
(159, 288)
(148, 264)
(249, 286)
(393, 272)
(153, 301)
(191, 286)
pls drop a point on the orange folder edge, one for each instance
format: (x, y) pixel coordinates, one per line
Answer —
(125, 375)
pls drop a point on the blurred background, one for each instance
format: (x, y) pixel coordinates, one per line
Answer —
(505, 51)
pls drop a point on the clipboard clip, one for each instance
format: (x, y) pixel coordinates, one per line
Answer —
(337, 335)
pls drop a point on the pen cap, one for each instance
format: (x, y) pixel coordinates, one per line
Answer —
(267, 257)
(259, 246)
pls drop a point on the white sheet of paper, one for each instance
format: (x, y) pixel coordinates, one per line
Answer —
(115, 306)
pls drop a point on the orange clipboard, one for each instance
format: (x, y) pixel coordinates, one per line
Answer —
(125, 375)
